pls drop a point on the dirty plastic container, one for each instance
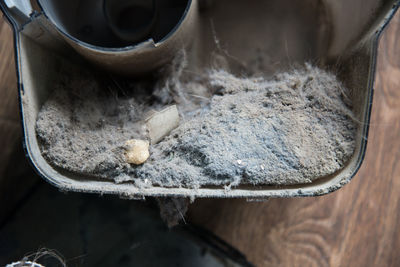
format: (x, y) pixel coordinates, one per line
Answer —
(338, 33)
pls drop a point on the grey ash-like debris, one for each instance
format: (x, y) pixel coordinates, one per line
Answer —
(291, 129)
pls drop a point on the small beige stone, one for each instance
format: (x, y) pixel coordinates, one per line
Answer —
(137, 151)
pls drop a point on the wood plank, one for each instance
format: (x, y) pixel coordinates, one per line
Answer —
(8, 79)
(359, 225)
(16, 175)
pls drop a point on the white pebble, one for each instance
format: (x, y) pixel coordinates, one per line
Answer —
(137, 151)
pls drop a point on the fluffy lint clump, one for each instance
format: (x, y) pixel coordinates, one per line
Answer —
(293, 128)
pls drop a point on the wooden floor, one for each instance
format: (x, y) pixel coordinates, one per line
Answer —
(358, 225)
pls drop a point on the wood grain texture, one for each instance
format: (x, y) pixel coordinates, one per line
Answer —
(9, 118)
(358, 225)
(16, 177)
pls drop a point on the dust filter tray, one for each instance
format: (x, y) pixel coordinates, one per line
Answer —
(236, 42)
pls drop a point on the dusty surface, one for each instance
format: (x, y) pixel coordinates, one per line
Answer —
(290, 129)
